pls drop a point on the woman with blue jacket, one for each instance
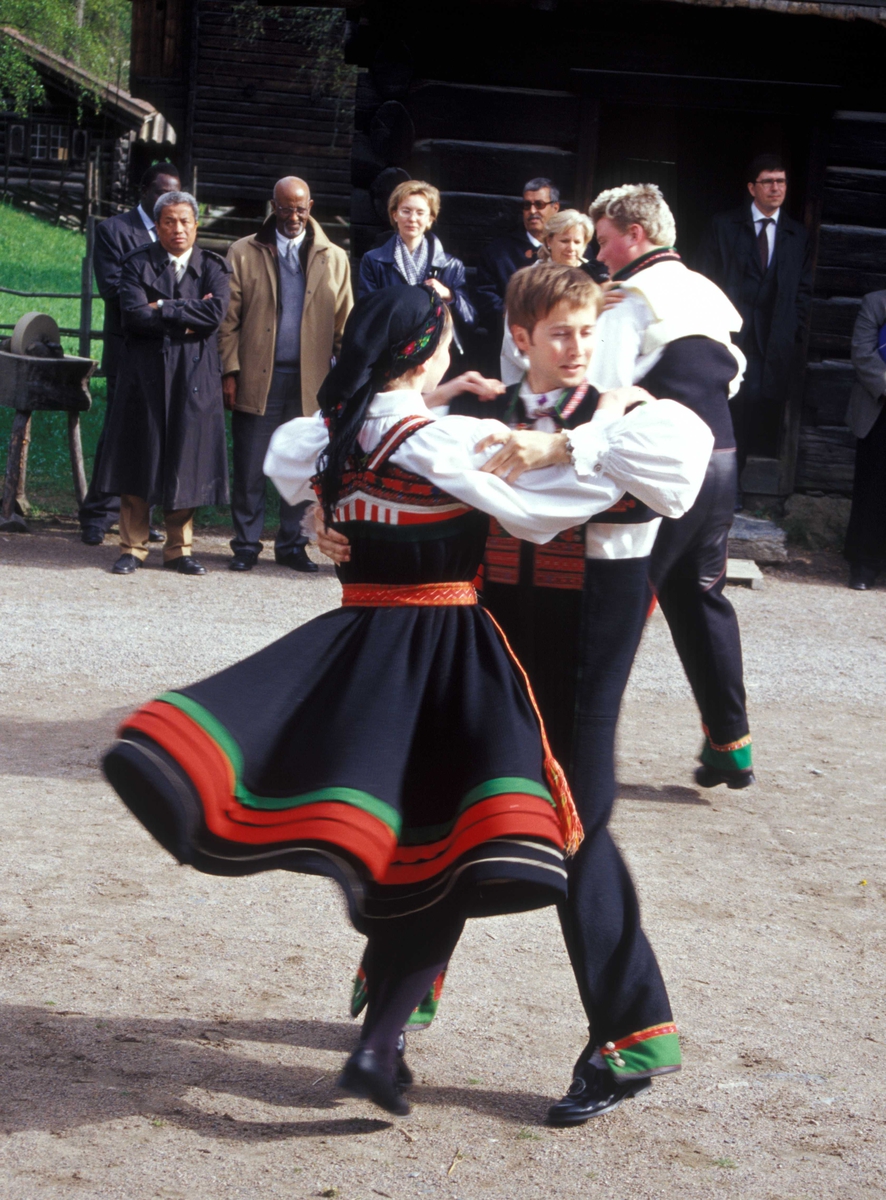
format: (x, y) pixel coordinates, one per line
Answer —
(414, 255)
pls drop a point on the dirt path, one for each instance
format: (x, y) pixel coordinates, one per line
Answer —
(164, 1034)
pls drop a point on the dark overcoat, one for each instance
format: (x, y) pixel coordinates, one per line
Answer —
(498, 262)
(166, 440)
(114, 239)
(774, 304)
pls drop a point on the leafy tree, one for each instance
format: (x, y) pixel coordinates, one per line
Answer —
(93, 34)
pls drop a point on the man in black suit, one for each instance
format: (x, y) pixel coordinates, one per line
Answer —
(761, 258)
(114, 239)
(505, 255)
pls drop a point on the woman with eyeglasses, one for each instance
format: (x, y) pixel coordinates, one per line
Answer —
(413, 255)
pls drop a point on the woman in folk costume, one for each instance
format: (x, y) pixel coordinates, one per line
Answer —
(392, 744)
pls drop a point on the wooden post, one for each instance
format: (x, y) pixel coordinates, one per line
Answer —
(588, 139)
(22, 505)
(10, 522)
(86, 290)
(76, 448)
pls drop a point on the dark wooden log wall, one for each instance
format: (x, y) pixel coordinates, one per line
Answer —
(851, 262)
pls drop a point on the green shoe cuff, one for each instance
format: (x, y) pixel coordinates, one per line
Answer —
(653, 1051)
(734, 756)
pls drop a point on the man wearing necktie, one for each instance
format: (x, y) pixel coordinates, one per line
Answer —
(290, 297)
(114, 239)
(761, 258)
(166, 434)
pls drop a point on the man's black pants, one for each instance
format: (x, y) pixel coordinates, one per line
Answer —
(866, 535)
(100, 508)
(252, 434)
(618, 977)
(687, 572)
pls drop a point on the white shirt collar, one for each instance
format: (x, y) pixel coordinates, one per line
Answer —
(286, 246)
(183, 259)
(534, 241)
(534, 399)
(148, 223)
(756, 215)
(403, 403)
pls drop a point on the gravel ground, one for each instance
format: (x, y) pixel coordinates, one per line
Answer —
(170, 1035)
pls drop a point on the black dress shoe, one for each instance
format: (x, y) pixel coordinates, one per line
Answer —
(861, 578)
(92, 535)
(126, 564)
(243, 560)
(402, 1074)
(591, 1094)
(185, 564)
(156, 535)
(708, 777)
(364, 1077)
(298, 560)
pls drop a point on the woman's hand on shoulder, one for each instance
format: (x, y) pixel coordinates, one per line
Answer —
(471, 381)
(612, 294)
(618, 401)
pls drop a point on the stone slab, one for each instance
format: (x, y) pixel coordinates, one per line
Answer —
(743, 570)
(758, 539)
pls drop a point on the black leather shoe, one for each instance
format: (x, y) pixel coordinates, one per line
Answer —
(402, 1074)
(708, 777)
(243, 560)
(861, 578)
(92, 535)
(298, 560)
(156, 535)
(126, 564)
(185, 564)
(364, 1077)
(591, 1094)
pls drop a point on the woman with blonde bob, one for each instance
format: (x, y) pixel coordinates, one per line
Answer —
(566, 236)
(414, 255)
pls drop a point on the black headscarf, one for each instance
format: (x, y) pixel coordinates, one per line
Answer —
(388, 333)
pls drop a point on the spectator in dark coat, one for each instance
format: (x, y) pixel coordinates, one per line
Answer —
(114, 239)
(505, 255)
(866, 536)
(414, 255)
(166, 436)
(762, 261)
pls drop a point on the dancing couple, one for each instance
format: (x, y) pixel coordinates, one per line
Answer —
(395, 743)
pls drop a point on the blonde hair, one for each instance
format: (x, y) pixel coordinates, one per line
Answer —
(535, 292)
(414, 187)
(637, 204)
(568, 218)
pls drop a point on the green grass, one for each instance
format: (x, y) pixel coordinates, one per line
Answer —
(38, 257)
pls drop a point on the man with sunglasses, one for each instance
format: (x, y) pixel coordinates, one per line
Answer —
(761, 258)
(290, 297)
(505, 255)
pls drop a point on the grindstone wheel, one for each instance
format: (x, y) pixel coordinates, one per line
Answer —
(33, 327)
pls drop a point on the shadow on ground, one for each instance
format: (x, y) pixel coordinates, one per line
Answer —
(669, 794)
(63, 1069)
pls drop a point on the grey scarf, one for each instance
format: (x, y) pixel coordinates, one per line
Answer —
(413, 267)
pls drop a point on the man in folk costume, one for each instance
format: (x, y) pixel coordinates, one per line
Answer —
(672, 334)
(166, 436)
(536, 594)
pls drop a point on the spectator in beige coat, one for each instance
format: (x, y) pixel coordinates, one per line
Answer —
(290, 298)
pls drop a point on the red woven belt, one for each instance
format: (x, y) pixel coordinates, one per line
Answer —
(383, 595)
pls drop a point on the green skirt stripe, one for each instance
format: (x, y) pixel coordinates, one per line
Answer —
(364, 800)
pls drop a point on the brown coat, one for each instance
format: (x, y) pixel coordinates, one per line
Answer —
(249, 331)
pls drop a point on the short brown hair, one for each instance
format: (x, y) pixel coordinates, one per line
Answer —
(535, 292)
(414, 187)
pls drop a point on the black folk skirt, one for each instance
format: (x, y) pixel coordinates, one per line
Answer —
(394, 749)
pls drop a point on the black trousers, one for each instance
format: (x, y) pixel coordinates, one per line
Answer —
(756, 418)
(866, 535)
(252, 434)
(101, 508)
(687, 571)
(618, 977)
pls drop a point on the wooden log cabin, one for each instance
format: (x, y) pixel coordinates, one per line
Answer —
(72, 154)
(477, 97)
(255, 94)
